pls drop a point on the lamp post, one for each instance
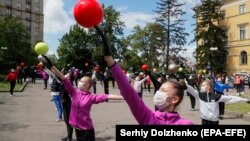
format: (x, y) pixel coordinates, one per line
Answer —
(212, 49)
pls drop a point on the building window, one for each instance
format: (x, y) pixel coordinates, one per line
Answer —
(18, 14)
(27, 24)
(8, 12)
(37, 18)
(242, 32)
(243, 57)
(243, 9)
(8, 3)
(37, 9)
(27, 6)
(36, 25)
(36, 34)
(37, 1)
(28, 16)
(19, 5)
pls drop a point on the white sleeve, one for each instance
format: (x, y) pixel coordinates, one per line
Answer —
(129, 78)
(232, 99)
(192, 91)
(144, 79)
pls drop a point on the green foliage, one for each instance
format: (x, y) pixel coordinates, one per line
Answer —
(147, 45)
(78, 47)
(2, 78)
(210, 34)
(5, 86)
(73, 48)
(170, 17)
(14, 46)
(112, 28)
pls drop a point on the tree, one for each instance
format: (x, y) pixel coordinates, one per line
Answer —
(209, 33)
(14, 44)
(148, 42)
(170, 14)
(74, 48)
(112, 28)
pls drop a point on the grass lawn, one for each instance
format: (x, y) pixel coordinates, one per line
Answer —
(6, 86)
(242, 108)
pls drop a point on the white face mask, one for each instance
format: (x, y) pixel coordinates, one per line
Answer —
(203, 89)
(80, 85)
(160, 100)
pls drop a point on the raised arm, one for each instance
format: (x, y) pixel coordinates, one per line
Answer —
(114, 97)
(232, 99)
(69, 87)
(48, 64)
(127, 91)
(192, 91)
(155, 82)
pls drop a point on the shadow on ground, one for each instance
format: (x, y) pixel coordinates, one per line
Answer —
(12, 126)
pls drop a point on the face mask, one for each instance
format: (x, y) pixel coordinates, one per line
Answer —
(160, 100)
(80, 85)
(203, 89)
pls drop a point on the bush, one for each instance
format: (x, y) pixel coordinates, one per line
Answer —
(2, 77)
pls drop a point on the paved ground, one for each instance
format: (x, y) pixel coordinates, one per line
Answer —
(30, 116)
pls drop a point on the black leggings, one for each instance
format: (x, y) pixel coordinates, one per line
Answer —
(12, 86)
(85, 135)
(221, 105)
(192, 100)
(66, 112)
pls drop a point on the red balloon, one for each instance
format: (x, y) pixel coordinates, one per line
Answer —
(22, 64)
(88, 13)
(144, 67)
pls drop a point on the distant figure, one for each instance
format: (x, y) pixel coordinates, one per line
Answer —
(33, 73)
(94, 80)
(45, 78)
(106, 82)
(11, 77)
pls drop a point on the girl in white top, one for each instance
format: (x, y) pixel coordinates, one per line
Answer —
(138, 84)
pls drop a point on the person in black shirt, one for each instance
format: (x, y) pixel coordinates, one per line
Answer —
(66, 106)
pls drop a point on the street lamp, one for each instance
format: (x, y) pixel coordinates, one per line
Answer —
(212, 49)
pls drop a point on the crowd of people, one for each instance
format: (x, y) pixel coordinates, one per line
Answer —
(74, 93)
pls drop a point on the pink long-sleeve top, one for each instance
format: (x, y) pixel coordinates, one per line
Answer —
(82, 102)
(141, 112)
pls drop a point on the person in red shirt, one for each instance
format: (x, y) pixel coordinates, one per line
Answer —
(11, 77)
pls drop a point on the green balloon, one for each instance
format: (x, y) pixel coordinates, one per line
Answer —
(41, 48)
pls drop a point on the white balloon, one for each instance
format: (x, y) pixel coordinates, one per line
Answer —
(172, 66)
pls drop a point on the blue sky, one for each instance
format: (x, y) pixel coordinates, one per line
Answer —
(58, 17)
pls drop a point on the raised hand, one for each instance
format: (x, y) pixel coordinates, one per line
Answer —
(45, 60)
(106, 48)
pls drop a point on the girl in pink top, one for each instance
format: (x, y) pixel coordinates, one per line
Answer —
(81, 102)
(166, 99)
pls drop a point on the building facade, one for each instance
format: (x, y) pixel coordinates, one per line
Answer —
(30, 12)
(237, 19)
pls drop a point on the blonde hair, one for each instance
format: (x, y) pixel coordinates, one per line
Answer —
(209, 83)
